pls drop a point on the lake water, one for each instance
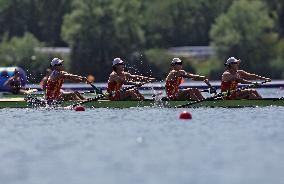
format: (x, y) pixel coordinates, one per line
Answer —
(143, 145)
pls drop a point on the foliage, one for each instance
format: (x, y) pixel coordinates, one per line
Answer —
(42, 18)
(246, 32)
(276, 10)
(278, 63)
(180, 22)
(140, 32)
(160, 62)
(19, 51)
(99, 31)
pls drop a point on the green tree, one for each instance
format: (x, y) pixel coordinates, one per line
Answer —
(42, 18)
(277, 64)
(246, 32)
(159, 61)
(49, 18)
(180, 22)
(13, 17)
(98, 31)
(20, 51)
(277, 12)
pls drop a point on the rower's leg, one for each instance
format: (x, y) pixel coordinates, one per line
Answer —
(256, 94)
(138, 94)
(244, 94)
(69, 96)
(253, 94)
(198, 94)
(187, 94)
(23, 92)
(128, 95)
(247, 94)
(79, 96)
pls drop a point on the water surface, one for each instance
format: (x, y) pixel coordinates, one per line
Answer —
(146, 145)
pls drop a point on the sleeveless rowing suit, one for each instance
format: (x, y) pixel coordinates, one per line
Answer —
(53, 87)
(229, 86)
(114, 87)
(172, 87)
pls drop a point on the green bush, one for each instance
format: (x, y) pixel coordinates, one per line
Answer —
(160, 62)
(211, 68)
(246, 31)
(20, 51)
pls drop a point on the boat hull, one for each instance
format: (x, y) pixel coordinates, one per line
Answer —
(21, 103)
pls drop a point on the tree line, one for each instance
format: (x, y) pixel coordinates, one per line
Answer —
(140, 32)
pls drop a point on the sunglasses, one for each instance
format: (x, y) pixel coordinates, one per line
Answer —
(59, 64)
(178, 64)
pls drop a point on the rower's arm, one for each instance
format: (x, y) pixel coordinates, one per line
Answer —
(198, 78)
(43, 83)
(8, 83)
(138, 78)
(251, 76)
(228, 77)
(122, 80)
(74, 78)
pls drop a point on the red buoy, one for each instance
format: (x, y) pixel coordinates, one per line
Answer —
(79, 108)
(185, 115)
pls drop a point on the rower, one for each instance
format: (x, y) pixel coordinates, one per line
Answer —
(119, 77)
(232, 76)
(43, 82)
(56, 80)
(14, 84)
(175, 79)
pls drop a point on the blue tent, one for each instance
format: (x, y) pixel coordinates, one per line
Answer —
(7, 72)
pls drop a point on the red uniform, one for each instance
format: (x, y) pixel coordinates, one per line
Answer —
(53, 89)
(229, 86)
(114, 87)
(172, 87)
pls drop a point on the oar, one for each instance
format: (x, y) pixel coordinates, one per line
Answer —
(97, 90)
(221, 94)
(209, 90)
(108, 94)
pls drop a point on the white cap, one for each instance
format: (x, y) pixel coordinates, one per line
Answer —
(56, 61)
(117, 61)
(176, 61)
(232, 60)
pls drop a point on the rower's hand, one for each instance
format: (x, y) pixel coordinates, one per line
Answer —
(87, 81)
(256, 84)
(206, 80)
(138, 84)
(267, 80)
(213, 90)
(151, 79)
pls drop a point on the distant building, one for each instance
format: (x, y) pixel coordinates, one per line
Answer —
(54, 50)
(199, 52)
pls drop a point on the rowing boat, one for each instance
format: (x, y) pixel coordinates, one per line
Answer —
(21, 103)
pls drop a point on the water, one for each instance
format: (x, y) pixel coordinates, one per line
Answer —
(142, 145)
